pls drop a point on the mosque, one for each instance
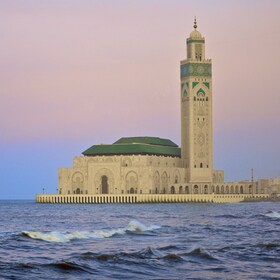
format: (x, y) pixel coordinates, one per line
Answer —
(151, 167)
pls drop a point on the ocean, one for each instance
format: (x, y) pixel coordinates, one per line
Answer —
(139, 241)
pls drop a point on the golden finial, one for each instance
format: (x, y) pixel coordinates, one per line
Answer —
(195, 25)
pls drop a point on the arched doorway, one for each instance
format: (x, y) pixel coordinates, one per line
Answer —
(78, 191)
(104, 184)
(250, 189)
(206, 189)
(131, 190)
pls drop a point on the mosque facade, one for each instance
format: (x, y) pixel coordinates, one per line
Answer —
(152, 165)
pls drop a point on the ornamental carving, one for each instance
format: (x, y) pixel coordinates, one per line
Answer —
(131, 180)
(201, 139)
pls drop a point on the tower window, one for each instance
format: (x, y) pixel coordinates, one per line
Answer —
(194, 99)
(206, 98)
(195, 166)
(198, 51)
(201, 165)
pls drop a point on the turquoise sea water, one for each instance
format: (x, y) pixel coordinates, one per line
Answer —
(140, 241)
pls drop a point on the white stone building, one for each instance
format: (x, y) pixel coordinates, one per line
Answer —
(150, 165)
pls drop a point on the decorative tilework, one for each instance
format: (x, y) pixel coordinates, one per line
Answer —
(200, 91)
(196, 70)
(206, 84)
(194, 84)
(195, 41)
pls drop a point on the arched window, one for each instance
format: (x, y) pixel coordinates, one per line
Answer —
(172, 190)
(227, 189)
(201, 165)
(156, 182)
(222, 190)
(241, 190)
(195, 189)
(187, 189)
(231, 189)
(164, 181)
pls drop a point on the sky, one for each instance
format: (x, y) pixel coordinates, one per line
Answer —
(78, 73)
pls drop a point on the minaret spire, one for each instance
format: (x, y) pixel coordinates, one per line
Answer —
(195, 25)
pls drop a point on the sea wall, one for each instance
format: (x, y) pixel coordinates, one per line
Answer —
(146, 198)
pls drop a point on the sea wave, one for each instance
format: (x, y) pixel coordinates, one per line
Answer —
(144, 254)
(56, 236)
(200, 252)
(272, 214)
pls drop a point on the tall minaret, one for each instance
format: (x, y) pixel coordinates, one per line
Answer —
(196, 111)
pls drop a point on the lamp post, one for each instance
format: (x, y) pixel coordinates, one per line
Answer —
(252, 181)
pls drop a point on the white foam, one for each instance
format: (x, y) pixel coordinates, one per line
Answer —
(55, 236)
(272, 214)
(138, 227)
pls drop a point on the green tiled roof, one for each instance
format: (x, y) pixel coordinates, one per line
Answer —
(146, 140)
(136, 146)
